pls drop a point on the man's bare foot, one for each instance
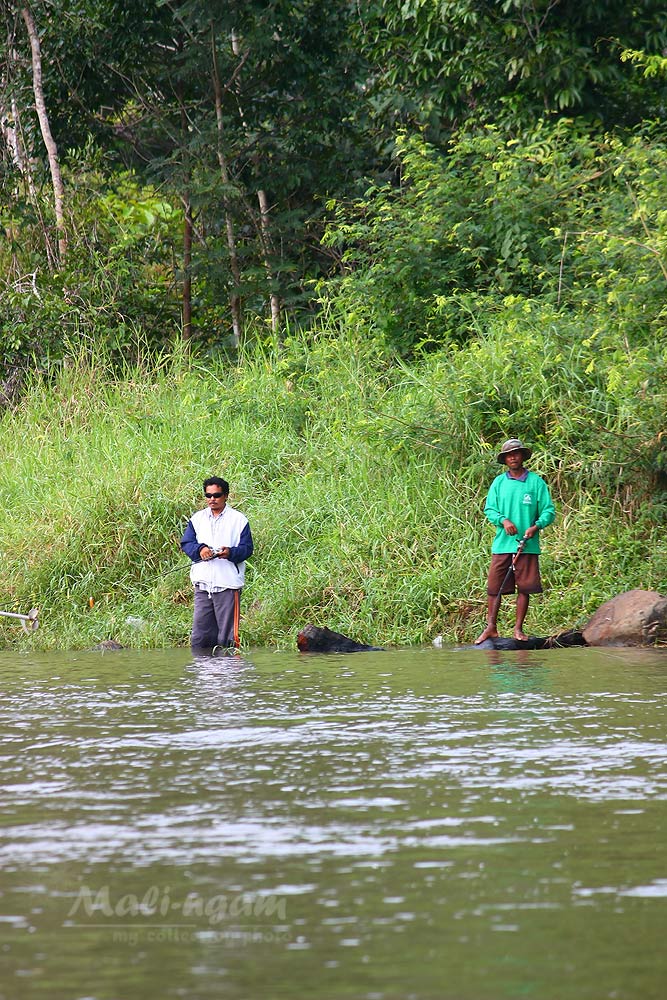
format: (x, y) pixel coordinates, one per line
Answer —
(520, 635)
(489, 633)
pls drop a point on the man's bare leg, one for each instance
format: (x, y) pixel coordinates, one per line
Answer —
(522, 601)
(491, 630)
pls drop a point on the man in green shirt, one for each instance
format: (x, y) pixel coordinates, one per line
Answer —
(519, 505)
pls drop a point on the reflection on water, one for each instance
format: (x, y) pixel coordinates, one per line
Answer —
(419, 823)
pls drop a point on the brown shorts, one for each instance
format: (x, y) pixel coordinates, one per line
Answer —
(525, 578)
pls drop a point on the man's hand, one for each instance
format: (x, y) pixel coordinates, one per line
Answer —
(531, 531)
(509, 526)
(207, 553)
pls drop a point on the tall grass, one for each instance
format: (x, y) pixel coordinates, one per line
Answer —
(364, 482)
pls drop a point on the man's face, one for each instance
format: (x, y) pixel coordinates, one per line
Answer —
(514, 460)
(215, 499)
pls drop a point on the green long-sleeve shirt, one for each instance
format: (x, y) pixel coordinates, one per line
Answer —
(525, 503)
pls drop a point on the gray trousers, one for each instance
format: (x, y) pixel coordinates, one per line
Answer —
(216, 619)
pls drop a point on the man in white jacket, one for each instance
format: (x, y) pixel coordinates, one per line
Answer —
(218, 540)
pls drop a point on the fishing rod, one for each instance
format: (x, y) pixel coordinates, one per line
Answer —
(30, 622)
(31, 617)
(519, 550)
(175, 569)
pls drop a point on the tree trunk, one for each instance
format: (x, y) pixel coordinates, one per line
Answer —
(266, 243)
(11, 133)
(187, 270)
(49, 141)
(264, 230)
(235, 297)
(11, 129)
(187, 223)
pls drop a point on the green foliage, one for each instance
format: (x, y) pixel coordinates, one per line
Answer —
(439, 63)
(593, 407)
(308, 102)
(286, 76)
(115, 287)
(553, 213)
(507, 279)
(650, 65)
(136, 79)
(364, 483)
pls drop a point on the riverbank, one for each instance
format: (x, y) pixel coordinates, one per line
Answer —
(363, 479)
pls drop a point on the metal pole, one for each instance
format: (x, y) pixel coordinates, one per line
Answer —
(31, 617)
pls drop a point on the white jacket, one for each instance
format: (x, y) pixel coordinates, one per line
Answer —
(229, 529)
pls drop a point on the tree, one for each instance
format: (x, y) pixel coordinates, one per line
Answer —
(245, 106)
(47, 135)
(438, 63)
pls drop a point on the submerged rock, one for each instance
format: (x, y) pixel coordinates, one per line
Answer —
(106, 646)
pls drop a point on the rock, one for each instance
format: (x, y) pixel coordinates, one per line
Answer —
(313, 639)
(635, 618)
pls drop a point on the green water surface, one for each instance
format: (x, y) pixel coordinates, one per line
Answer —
(416, 824)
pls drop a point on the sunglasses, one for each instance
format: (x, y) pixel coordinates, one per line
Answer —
(213, 496)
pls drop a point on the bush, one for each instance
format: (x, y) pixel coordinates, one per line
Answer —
(555, 214)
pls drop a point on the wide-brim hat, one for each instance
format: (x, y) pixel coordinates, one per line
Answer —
(513, 445)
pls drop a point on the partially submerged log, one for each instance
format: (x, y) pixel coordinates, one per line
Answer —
(564, 640)
(635, 618)
(313, 639)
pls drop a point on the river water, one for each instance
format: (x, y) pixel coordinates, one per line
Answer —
(418, 824)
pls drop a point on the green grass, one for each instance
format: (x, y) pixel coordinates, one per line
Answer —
(364, 481)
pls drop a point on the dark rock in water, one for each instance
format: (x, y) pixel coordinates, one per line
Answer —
(563, 640)
(106, 646)
(313, 639)
(635, 618)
